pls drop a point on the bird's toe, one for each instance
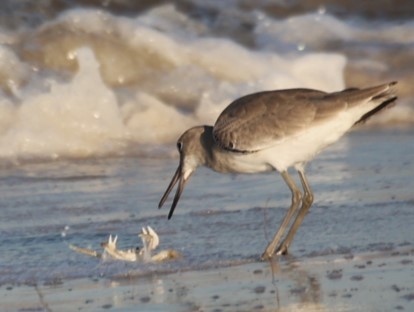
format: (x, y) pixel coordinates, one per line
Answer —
(282, 250)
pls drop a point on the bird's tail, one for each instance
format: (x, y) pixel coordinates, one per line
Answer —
(380, 97)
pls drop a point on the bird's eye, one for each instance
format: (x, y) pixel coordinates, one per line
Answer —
(179, 146)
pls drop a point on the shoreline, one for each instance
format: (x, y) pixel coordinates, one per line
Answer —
(376, 281)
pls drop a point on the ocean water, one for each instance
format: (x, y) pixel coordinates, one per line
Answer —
(94, 94)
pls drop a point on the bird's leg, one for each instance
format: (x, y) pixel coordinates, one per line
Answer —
(307, 201)
(296, 197)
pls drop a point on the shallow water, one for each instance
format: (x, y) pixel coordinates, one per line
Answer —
(364, 203)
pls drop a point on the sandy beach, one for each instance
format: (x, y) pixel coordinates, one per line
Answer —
(354, 251)
(381, 281)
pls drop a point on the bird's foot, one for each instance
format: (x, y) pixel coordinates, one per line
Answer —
(266, 256)
(282, 250)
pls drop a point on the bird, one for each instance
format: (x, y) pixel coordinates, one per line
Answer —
(274, 131)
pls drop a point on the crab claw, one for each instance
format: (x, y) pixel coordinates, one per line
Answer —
(155, 240)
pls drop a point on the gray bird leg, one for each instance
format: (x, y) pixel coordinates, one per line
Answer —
(307, 201)
(296, 198)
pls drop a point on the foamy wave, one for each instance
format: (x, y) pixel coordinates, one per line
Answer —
(77, 118)
(139, 81)
(318, 29)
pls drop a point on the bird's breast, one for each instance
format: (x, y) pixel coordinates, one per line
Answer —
(235, 162)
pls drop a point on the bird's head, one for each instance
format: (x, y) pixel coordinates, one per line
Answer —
(191, 148)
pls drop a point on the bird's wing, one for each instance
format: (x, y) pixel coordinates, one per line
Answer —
(261, 120)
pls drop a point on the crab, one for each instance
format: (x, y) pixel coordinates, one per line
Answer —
(150, 241)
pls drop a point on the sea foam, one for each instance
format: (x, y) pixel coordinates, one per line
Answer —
(91, 83)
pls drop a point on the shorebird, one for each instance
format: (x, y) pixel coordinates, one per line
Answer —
(276, 130)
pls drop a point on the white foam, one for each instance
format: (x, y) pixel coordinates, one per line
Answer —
(150, 121)
(302, 30)
(77, 118)
(315, 29)
(171, 78)
(13, 72)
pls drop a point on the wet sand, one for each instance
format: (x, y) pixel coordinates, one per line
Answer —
(354, 251)
(380, 281)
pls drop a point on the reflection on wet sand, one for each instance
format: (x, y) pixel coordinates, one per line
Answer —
(375, 281)
(305, 288)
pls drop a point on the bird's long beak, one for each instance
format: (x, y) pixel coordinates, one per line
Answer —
(182, 179)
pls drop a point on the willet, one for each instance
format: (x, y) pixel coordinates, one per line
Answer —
(276, 130)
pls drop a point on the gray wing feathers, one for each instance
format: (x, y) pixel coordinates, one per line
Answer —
(356, 96)
(260, 120)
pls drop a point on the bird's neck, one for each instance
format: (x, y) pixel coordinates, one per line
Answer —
(213, 156)
(207, 145)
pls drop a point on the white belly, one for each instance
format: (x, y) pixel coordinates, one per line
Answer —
(292, 151)
(306, 145)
